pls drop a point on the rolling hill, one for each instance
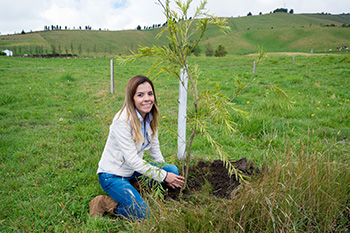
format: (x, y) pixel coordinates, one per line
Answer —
(278, 32)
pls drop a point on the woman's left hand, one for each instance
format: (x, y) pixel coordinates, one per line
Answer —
(174, 181)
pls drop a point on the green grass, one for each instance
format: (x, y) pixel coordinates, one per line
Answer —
(275, 32)
(55, 115)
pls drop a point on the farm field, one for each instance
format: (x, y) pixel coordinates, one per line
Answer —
(55, 116)
(273, 32)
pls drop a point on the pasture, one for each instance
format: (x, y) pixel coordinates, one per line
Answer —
(273, 32)
(55, 116)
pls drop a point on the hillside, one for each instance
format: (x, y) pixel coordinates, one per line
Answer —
(273, 32)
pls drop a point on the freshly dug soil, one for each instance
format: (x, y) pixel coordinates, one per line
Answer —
(216, 174)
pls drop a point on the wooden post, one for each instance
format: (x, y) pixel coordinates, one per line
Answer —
(254, 67)
(112, 77)
(293, 59)
(181, 128)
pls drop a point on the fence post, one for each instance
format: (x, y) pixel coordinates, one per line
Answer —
(254, 67)
(293, 59)
(181, 127)
(112, 77)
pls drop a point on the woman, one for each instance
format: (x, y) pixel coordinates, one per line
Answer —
(134, 129)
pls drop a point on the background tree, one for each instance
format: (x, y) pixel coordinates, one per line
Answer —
(220, 51)
(59, 50)
(80, 50)
(66, 49)
(95, 50)
(196, 51)
(209, 51)
(30, 51)
(72, 48)
(281, 10)
(53, 50)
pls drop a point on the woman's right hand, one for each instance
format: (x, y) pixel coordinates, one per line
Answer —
(174, 181)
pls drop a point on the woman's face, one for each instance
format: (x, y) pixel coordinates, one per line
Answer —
(144, 98)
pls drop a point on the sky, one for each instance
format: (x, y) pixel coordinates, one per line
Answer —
(34, 15)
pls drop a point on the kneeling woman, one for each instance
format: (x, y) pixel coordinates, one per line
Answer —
(134, 129)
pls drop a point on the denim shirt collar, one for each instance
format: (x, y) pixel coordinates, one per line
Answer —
(144, 127)
(148, 117)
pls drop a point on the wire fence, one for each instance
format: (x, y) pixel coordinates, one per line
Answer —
(211, 67)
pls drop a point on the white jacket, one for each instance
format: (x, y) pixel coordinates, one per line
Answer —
(122, 156)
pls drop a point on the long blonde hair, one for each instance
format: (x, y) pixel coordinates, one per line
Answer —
(129, 105)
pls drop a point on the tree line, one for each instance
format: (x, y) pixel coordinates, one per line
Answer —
(59, 51)
(57, 27)
(220, 51)
(74, 50)
(278, 10)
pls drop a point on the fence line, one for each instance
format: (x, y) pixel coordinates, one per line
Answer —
(216, 67)
(51, 68)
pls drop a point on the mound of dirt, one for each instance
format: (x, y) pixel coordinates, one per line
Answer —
(216, 174)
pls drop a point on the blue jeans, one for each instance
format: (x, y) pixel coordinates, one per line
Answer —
(130, 202)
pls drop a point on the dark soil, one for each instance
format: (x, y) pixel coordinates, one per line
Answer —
(216, 174)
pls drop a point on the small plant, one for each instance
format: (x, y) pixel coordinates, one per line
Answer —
(173, 58)
(209, 107)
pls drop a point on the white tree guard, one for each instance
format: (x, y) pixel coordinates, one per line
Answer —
(112, 77)
(181, 127)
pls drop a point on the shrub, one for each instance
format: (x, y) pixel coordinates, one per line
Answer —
(196, 51)
(220, 51)
(209, 51)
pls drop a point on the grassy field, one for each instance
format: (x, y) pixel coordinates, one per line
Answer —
(55, 116)
(274, 32)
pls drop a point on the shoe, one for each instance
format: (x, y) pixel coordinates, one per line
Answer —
(102, 204)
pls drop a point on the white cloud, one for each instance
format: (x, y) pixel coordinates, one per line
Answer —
(60, 15)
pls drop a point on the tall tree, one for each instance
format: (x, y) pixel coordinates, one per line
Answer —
(72, 48)
(209, 51)
(53, 50)
(59, 50)
(80, 50)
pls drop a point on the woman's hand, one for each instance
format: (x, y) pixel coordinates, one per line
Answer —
(174, 181)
